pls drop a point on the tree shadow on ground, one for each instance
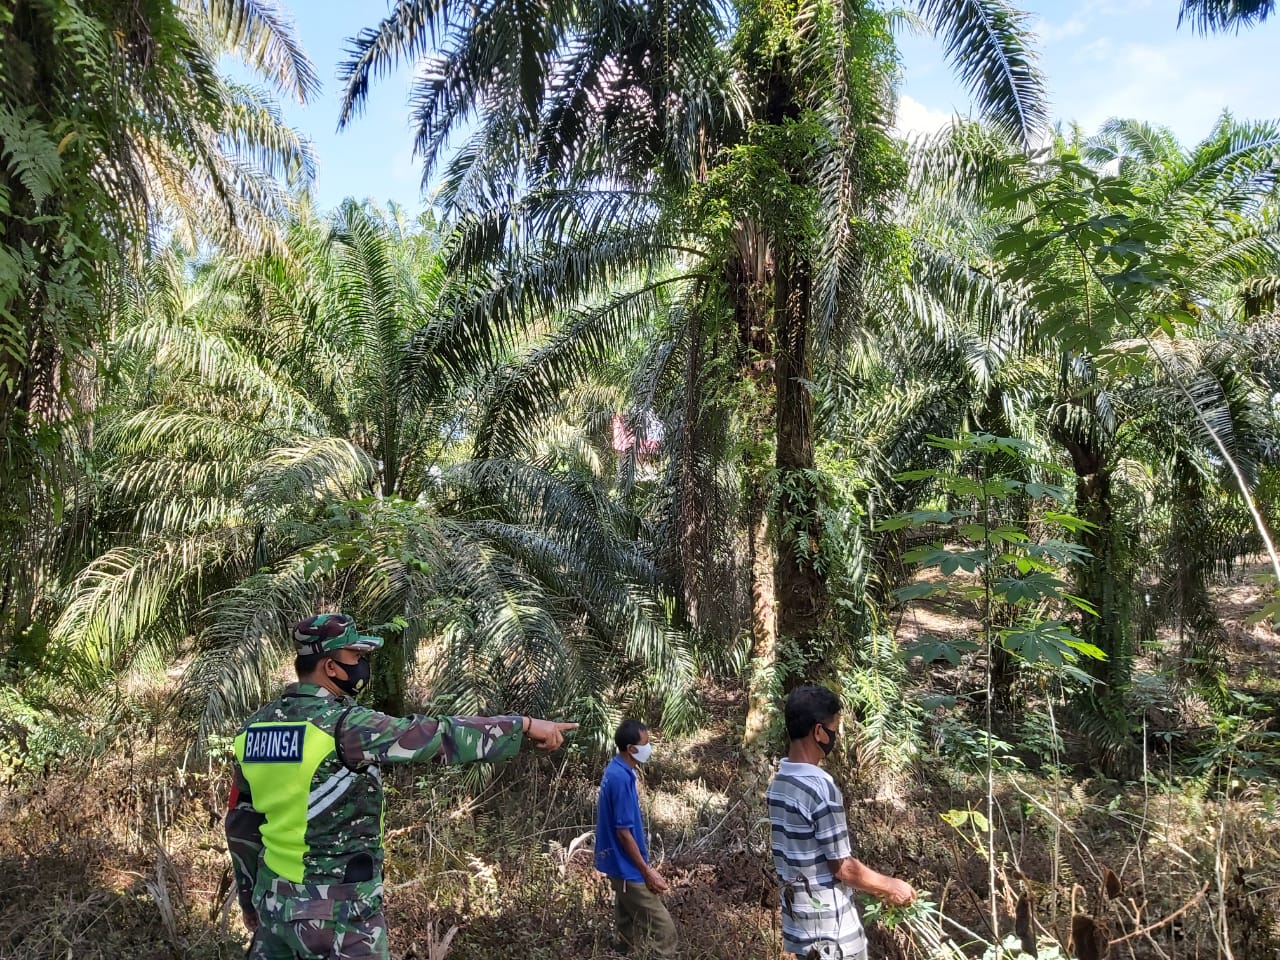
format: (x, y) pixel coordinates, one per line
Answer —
(116, 859)
(64, 907)
(723, 910)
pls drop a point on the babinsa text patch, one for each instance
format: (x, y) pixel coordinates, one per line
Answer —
(277, 744)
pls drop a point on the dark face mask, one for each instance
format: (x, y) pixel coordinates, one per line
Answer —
(831, 740)
(357, 676)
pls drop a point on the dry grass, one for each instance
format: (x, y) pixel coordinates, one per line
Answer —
(123, 857)
(1255, 647)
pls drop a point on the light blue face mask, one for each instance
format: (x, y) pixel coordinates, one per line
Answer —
(641, 752)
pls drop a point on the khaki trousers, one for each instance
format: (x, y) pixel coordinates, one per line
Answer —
(644, 926)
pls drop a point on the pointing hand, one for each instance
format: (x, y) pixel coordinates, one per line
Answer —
(547, 734)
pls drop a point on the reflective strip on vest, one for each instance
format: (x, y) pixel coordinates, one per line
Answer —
(279, 760)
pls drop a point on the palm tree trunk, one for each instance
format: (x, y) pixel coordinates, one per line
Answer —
(389, 676)
(28, 399)
(749, 280)
(1103, 580)
(788, 591)
(801, 587)
(1183, 592)
(1095, 576)
(764, 624)
(693, 513)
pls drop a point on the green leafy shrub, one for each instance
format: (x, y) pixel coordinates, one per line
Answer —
(32, 736)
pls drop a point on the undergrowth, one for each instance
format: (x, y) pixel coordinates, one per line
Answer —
(122, 856)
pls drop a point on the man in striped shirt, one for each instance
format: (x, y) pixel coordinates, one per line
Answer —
(811, 848)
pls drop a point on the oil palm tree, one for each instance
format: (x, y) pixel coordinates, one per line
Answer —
(735, 158)
(113, 120)
(1167, 241)
(263, 455)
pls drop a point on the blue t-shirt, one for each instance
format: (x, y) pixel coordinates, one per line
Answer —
(619, 808)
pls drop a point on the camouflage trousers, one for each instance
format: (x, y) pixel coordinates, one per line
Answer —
(321, 940)
(319, 921)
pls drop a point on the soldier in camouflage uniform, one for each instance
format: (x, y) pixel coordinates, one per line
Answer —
(304, 824)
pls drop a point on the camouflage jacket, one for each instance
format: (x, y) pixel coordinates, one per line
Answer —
(304, 822)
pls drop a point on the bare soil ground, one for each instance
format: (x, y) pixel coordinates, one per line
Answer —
(1254, 661)
(123, 856)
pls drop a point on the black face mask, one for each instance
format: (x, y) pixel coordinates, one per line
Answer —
(357, 676)
(831, 740)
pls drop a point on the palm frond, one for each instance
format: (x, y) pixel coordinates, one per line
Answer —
(484, 319)
(244, 639)
(968, 161)
(314, 471)
(253, 128)
(132, 599)
(259, 32)
(988, 43)
(524, 391)
(986, 322)
(1237, 160)
(1207, 16)
(1154, 148)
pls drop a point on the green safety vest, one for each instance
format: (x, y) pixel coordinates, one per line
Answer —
(323, 819)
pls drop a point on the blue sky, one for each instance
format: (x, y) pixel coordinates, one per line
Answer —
(1105, 59)
(1102, 59)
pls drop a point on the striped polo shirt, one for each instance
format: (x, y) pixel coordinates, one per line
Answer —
(809, 829)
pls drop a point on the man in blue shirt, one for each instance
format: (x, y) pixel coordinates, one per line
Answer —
(622, 855)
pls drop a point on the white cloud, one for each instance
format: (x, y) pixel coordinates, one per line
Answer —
(1104, 60)
(1174, 85)
(1050, 32)
(915, 119)
(1086, 16)
(1099, 50)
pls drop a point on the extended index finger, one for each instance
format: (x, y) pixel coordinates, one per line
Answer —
(566, 726)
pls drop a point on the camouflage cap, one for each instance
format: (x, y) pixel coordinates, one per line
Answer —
(326, 632)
